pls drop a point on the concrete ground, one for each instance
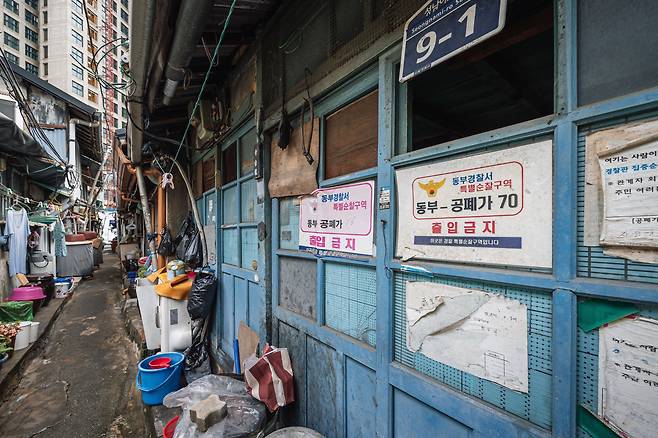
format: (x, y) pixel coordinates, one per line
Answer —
(83, 382)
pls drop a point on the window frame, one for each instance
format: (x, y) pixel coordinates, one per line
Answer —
(75, 86)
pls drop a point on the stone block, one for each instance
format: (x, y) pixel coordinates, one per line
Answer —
(208, 412)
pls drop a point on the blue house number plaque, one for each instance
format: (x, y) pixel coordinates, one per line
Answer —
(443, 28)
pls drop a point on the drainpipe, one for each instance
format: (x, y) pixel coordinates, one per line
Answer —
(143, 12)
(148, 224)
(189, 26)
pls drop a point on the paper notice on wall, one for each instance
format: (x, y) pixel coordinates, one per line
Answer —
(630, 194)
(480, 333)
(492, 208)
(628, 376)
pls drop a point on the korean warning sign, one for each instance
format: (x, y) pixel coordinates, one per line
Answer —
(338, 221)
(493, 208)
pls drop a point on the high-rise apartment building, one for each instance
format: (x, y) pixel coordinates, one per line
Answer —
(56, 40)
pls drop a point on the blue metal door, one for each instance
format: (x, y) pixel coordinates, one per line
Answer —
(241, 260)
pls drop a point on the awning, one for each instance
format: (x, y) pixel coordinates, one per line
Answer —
(28, 155)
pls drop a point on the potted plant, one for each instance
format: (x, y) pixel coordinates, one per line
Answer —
(8, 331)
(4, 350)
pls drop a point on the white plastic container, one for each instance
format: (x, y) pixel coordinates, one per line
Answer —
(61, 290)
(34, 331)
(23, 336)
(148, 303)
(175, 325)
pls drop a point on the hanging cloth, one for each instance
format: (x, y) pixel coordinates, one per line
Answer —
(18, 230)
(60, 239)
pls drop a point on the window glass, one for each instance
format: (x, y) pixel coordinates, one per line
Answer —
(76, 5)
(289, 223)
(77, 71)
(31, 35)
(502, 81)
(229, 203)
(11, 41)
(616, 49)
(11, 23)
(31, 52)
(31, 68)
(229, 164)
(351, 137)
(31, 18)
(247, 148)
(77, 22)
(78, 88)
(12, 58)
(77, 55)
(77, 38)
(248, 201)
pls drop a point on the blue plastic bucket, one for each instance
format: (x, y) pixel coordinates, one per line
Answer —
(155, 384)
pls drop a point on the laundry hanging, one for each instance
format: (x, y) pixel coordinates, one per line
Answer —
(18, 230)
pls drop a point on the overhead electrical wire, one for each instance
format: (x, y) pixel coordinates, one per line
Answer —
(13, 87)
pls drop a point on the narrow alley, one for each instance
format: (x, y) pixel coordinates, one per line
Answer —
(82, 383)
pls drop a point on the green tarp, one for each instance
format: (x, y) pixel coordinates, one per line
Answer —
(14, 311)
(594, 313)
(593, 425)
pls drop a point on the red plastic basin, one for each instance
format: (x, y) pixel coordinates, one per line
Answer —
(160, 362)
(170, 427)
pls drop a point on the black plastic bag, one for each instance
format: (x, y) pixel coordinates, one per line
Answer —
(167, 247)
(183, 243)
(202, 295)
(194, 251)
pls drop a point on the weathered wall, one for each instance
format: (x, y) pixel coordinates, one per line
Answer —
(46, 108)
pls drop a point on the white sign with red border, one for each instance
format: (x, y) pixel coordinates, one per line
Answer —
(338, 220)
(492, 208)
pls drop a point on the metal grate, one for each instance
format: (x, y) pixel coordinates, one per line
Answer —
(591, 262)
(534, 406)
(328, 46)
(350, 301)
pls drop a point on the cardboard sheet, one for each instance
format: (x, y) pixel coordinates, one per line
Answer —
(291, 173)
(628, 376)
(248, 341)
(480, 333)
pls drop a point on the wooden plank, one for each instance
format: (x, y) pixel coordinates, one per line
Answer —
(351, 137)
(292, 175)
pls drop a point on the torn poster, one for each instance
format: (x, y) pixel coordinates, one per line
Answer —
(629, 175)
(477, 332)
(492, 208)
(602, 142)
(628, 376)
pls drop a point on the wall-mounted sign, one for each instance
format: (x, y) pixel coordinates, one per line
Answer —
(443, 28)
(338, 220)
(493, 208)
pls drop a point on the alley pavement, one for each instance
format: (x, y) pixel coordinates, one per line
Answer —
(82, 383)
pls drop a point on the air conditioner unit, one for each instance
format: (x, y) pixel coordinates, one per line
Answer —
(204, 120)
